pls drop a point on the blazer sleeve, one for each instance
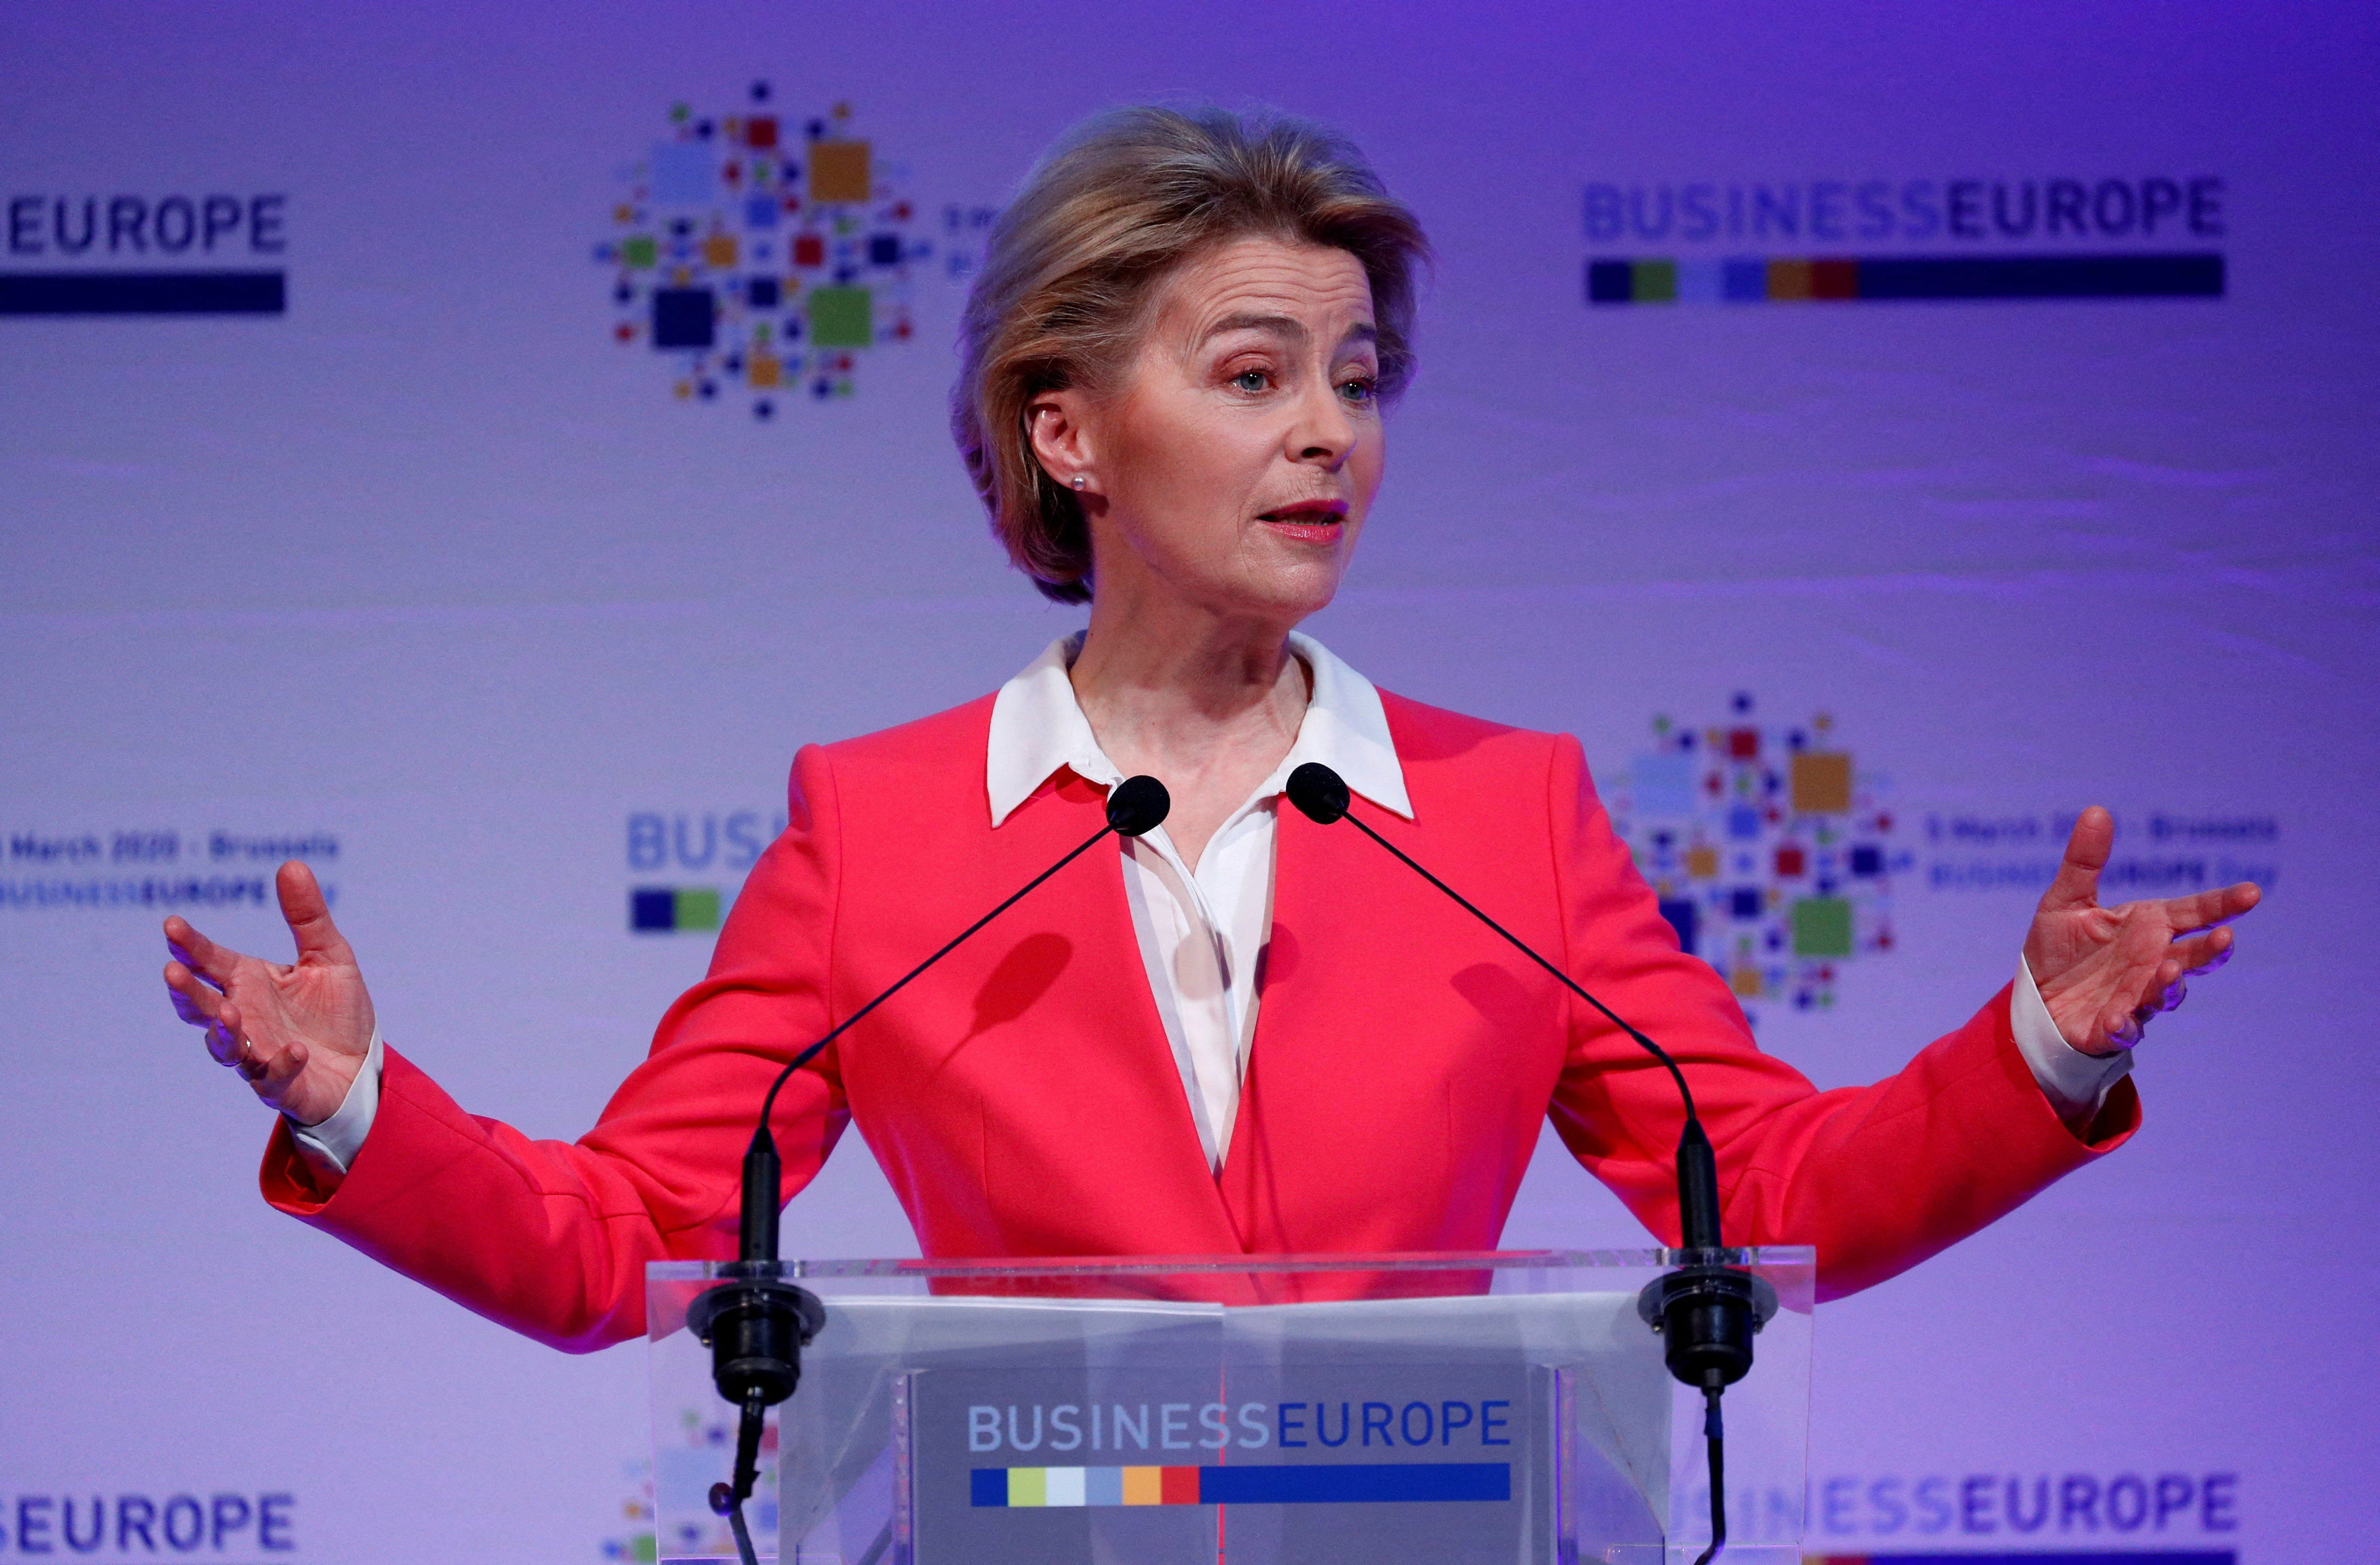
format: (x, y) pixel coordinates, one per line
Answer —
(1877, 1178)
(550, 1238)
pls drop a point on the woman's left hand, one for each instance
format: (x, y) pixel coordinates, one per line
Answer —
(2104, 971)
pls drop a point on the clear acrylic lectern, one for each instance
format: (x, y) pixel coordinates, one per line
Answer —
(1507, 1408)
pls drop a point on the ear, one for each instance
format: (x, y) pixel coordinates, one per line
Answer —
(1058, 423)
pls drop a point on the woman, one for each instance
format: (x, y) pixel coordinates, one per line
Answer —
(1245, 1034)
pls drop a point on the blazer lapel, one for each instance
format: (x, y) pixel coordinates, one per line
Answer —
(1252, 1179)
(1110, 1002)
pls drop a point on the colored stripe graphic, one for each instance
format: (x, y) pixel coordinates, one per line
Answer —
(2154, 1556)
(1356, 1483)
(1878, 279)
(664, 910)
(143, 293)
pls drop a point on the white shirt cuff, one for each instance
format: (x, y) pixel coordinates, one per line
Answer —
(335, 1141)
(2076, 1084)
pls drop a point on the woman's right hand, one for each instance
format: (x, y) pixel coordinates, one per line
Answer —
(296, 1034)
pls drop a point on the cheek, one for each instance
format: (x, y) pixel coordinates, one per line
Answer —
(1214, 475)
(1189, 496)
(1186, 462)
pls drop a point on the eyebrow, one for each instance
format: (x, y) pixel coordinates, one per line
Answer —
(1282, 326)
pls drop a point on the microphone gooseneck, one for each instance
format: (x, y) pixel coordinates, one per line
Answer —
(1320, 794)
(1706, 1311)
(755, 1323)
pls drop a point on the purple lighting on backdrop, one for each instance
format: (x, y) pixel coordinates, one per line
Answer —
(348, 517)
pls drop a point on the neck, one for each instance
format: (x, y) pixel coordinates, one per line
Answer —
(1182, 686)
(1206, 704)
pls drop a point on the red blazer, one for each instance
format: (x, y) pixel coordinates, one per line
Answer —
(1023, 1099)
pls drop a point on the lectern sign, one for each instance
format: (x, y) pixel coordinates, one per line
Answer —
(1420, 1461)
(1262, 1483)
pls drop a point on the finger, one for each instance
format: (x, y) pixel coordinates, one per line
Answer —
(225, 1028)
(2077, 884)
(273, 1081)
(2163, 991)
(227, 1038)
(223, 1045)
(2207, 910)
(182, 957)
(308, 914)
(2203, 953)
(198, 953)
(194, 1000)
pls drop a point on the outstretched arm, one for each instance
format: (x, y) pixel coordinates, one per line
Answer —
(1877, 1177)
(549, 1238)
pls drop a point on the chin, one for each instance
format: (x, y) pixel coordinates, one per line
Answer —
(1290, 595)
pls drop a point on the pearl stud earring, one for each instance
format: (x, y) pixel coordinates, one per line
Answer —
(1080, 480)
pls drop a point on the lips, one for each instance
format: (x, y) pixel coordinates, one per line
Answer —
(1309, 521)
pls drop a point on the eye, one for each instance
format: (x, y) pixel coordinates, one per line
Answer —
(1251, 381)
(1361, 391)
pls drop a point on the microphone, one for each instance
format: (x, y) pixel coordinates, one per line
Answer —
(755, 1324)
(1706, 1311)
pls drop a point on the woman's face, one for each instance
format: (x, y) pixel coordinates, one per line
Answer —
(1234, 464)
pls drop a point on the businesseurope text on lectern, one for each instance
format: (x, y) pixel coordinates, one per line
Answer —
(1509, 1407)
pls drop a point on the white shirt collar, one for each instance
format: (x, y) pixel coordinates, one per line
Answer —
(1038, 726)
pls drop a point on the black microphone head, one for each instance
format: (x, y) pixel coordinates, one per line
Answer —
(1318, 791)
(1138, 804)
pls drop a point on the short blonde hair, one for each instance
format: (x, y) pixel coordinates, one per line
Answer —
(1118, 204)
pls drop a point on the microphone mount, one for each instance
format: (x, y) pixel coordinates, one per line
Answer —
(1707, 1310)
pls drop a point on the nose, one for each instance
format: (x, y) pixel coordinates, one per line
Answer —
(1323, 432)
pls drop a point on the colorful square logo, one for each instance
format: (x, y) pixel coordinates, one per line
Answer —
(719, 228)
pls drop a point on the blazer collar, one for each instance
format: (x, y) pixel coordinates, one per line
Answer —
(1037, 727)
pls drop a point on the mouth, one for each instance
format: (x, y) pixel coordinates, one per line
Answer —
(1309, 521)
